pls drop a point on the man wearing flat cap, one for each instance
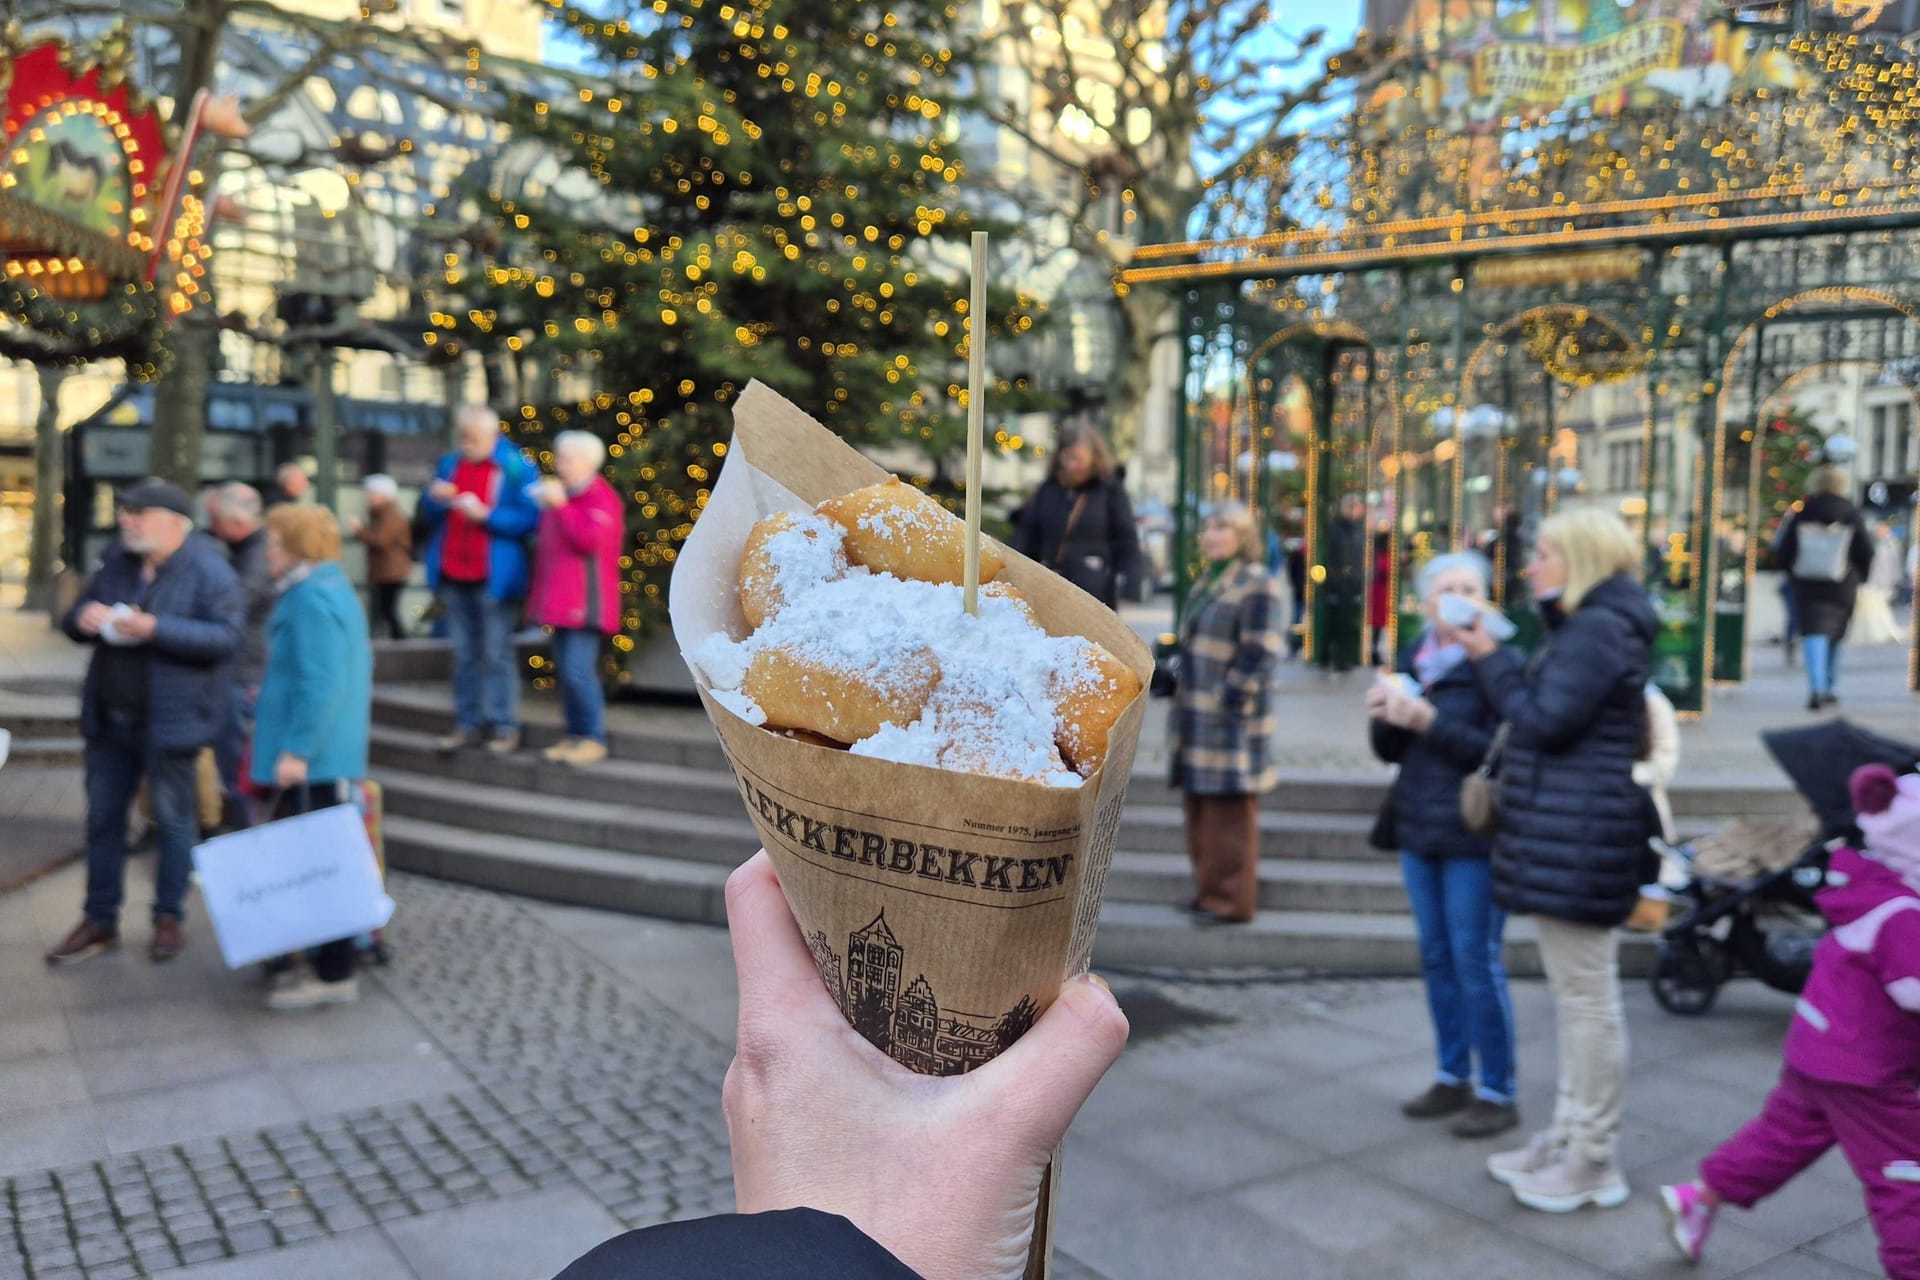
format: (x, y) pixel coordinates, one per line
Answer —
(167, 616)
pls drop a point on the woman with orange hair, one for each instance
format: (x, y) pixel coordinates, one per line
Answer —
(311, 725)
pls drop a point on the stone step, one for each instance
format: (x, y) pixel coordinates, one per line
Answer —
(1371, 887)
(677, 740)
(617, 780)
(1142, 935)
(1132, 935)
(725, 838)
(673, 888)
(36, 721)
(46, 753)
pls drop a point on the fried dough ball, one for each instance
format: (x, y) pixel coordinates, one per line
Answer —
(802, 688)
(894, 528)
(1091, 693)
(834, 664)
(1004, 591)
(785, 555)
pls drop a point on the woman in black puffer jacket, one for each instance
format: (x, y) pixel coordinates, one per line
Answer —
(1436, 724)
(1573, 829)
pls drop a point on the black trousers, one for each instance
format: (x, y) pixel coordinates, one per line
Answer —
(386, 607)
(332, 961)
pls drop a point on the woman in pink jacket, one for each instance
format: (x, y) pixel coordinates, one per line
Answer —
(576, 585)
(1853, 1051)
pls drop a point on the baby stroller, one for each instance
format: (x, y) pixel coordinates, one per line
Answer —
(1756, 914)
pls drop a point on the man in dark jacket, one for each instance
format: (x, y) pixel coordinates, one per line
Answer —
(166, 613)
(234, 517)
(1080, 524)
(1826, 551)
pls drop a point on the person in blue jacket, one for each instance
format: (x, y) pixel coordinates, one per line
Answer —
(478, 513)
(166, 615)
(311, 723)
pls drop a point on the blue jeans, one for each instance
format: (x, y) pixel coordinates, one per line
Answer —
(1460, 930)
(576, 656)
(486, 687)
(116, 760)
(1823, 663)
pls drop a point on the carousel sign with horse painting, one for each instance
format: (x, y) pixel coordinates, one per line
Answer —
(100, 238)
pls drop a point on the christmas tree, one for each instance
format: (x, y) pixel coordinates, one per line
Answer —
(777, 188)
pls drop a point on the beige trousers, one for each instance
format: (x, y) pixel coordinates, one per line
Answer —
(1583, 971)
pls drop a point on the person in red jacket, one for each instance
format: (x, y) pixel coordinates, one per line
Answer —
(576, 585)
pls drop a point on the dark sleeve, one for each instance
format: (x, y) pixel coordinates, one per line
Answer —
(90, 595)
(1390, 742)
(1556, 705)
(792, 1244)
(1861, 552)
(1026, 532)
(1125, 534)
(215, 630)
(1460, 742)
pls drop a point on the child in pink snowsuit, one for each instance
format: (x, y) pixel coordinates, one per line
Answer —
(1852, 1072)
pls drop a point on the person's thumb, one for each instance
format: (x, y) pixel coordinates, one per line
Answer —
(1037, 1086)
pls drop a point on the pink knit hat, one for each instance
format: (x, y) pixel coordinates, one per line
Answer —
(1888, 809)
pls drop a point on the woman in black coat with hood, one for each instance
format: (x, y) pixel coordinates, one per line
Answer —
(1434, 721)
(1079, 522)
(1572, 831)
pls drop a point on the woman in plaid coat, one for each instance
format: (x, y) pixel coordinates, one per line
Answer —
(1222, 719)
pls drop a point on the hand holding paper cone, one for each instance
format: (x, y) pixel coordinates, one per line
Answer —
(944, 882)
(946, 1176)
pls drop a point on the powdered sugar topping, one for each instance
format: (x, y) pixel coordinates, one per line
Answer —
(994, 711)
(808, 551)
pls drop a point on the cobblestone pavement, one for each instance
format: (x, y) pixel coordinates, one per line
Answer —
(580, 1079)
(571, 1090)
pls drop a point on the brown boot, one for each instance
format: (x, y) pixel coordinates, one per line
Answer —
(85, 942)
(168, 939)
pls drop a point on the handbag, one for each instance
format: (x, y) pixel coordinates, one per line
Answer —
(1480, 790)
(1165, 681)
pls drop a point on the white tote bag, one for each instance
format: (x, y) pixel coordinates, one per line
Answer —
(288, 885)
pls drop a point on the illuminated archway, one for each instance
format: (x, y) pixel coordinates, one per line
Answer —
(1706, 550)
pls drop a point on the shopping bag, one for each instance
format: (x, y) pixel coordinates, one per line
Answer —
(285, 886)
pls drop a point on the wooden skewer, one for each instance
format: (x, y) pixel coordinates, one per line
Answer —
(976, 417)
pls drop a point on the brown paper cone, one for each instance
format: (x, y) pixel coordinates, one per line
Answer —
(943, 909)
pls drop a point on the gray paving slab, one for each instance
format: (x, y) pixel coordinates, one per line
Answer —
(527, 1238)
(354, 1255)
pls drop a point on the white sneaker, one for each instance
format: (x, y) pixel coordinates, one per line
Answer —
(1572, 1183)
(311, 993)
(1509, 1167)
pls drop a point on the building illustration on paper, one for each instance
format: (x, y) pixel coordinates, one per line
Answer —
(906, 1021)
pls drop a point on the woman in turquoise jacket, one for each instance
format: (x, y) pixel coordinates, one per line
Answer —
(311, 723)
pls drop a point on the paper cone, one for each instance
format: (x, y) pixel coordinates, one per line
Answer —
(943, 909)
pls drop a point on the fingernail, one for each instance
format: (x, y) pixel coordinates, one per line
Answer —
(1095, 979)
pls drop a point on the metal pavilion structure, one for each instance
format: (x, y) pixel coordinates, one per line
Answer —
(1557, 231)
